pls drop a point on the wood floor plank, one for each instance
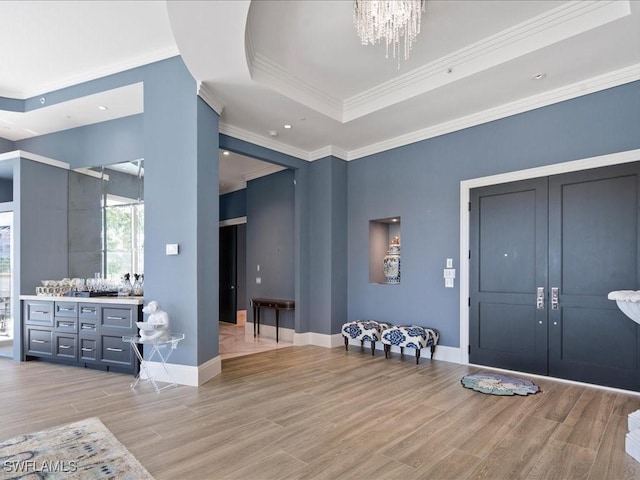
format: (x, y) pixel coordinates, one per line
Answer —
(316, 413)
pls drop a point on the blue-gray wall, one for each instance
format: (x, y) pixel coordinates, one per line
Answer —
(270, 242)
(421, 183)
(6, 145)
(233, 204)
(328, 245)
(6, 190)
(104, 143)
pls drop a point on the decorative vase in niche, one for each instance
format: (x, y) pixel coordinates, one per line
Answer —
(391, 262)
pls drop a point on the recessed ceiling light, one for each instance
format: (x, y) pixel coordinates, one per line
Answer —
(539, 76)
(102, 107)
(287, 126)
(225, 153)
(394, 219)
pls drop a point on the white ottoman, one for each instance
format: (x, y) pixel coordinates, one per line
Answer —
(412, 336)
(362, 330)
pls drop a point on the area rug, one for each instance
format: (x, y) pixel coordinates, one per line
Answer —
(494, 384)
(80, 450)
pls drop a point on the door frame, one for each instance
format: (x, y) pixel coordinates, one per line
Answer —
(526, 174)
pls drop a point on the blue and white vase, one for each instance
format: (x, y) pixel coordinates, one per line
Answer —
(391, 262)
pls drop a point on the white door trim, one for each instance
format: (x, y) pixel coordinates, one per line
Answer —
(466, 186)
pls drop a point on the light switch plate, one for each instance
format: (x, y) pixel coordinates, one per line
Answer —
(258, 280)
(449, 273)
(172, 249)
(448, 282)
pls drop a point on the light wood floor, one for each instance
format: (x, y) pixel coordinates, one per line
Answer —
(316, 413)
(234, 342)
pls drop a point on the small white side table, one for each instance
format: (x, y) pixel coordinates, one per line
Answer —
(160, 348)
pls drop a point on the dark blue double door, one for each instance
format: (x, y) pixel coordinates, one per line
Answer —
(544, 255)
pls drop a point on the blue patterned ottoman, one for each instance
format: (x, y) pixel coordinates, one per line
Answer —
(412, 336)
(362, 330)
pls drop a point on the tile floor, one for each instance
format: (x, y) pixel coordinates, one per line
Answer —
(235, 343)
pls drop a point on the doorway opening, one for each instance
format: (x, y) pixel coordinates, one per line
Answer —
(253, 247)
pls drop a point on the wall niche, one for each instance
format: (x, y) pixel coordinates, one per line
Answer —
(384, 249)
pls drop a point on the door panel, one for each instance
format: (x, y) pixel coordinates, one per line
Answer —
(228, 274)
(593, 238)
(578, 233)
(508, 251)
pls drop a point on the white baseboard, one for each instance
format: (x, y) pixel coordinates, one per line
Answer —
(443, 353)
(269, 331)
(189, 375)
(318, 339)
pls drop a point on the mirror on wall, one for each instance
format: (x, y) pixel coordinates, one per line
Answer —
(106, 220)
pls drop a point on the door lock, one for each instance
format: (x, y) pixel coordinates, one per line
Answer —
(540, 298)
(554, 298)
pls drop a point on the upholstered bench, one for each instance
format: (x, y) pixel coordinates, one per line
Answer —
(362, 330)
(412, 336)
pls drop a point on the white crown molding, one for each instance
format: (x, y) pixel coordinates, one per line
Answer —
(129, 64)
(262, 141)
(575, 90)
(602, 82)
(565, 21)
(330, 150)
(232, 187)
(34, 157)
(206, 93)
(262, 172)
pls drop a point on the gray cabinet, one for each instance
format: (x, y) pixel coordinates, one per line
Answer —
(79, 333)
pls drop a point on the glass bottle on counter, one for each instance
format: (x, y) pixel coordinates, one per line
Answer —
(125, 288)
(137, 285)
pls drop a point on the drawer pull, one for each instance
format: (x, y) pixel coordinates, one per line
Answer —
(65, 346)
(38, 341)
(41, 312)
(88, 310)
(67, 309)
(66, 324)
(116, 318)
(85, 349)
(109, 349)
(88, 327)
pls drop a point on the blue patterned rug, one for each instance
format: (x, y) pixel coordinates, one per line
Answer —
(495, 384)
(84, 450)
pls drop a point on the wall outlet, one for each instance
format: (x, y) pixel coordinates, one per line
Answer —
(449, 262)
(449, 273)
(448, 282)
(258, 280)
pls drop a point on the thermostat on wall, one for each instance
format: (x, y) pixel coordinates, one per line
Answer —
(172, 249)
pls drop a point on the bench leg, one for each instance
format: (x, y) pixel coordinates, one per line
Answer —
(433, 350)
(417, 356)
(346, 344)
(402, 352)
(373, 347)
(387, 348)
(361, 345)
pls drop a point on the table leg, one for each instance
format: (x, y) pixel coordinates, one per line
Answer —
(258, 320)
(277, 323)
(254, 322)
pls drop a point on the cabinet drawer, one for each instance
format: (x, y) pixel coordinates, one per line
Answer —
(39, 342)
(65, 346)
(89, 348)
(88, 326)
(115, 351)
(65, 324)
(38, 313)
(66, 309)
(118, 317)
(88, 311)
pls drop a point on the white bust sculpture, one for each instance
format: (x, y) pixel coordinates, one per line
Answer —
(157, 325)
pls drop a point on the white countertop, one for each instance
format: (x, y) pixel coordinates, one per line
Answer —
(120, 300)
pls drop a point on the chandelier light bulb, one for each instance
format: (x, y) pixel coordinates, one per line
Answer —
(390, 21)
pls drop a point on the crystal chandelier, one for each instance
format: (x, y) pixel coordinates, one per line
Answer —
(390, 20)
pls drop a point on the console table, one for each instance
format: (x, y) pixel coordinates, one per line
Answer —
(270, 303)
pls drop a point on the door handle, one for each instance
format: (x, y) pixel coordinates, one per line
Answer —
(540, 298)
(554, 298)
